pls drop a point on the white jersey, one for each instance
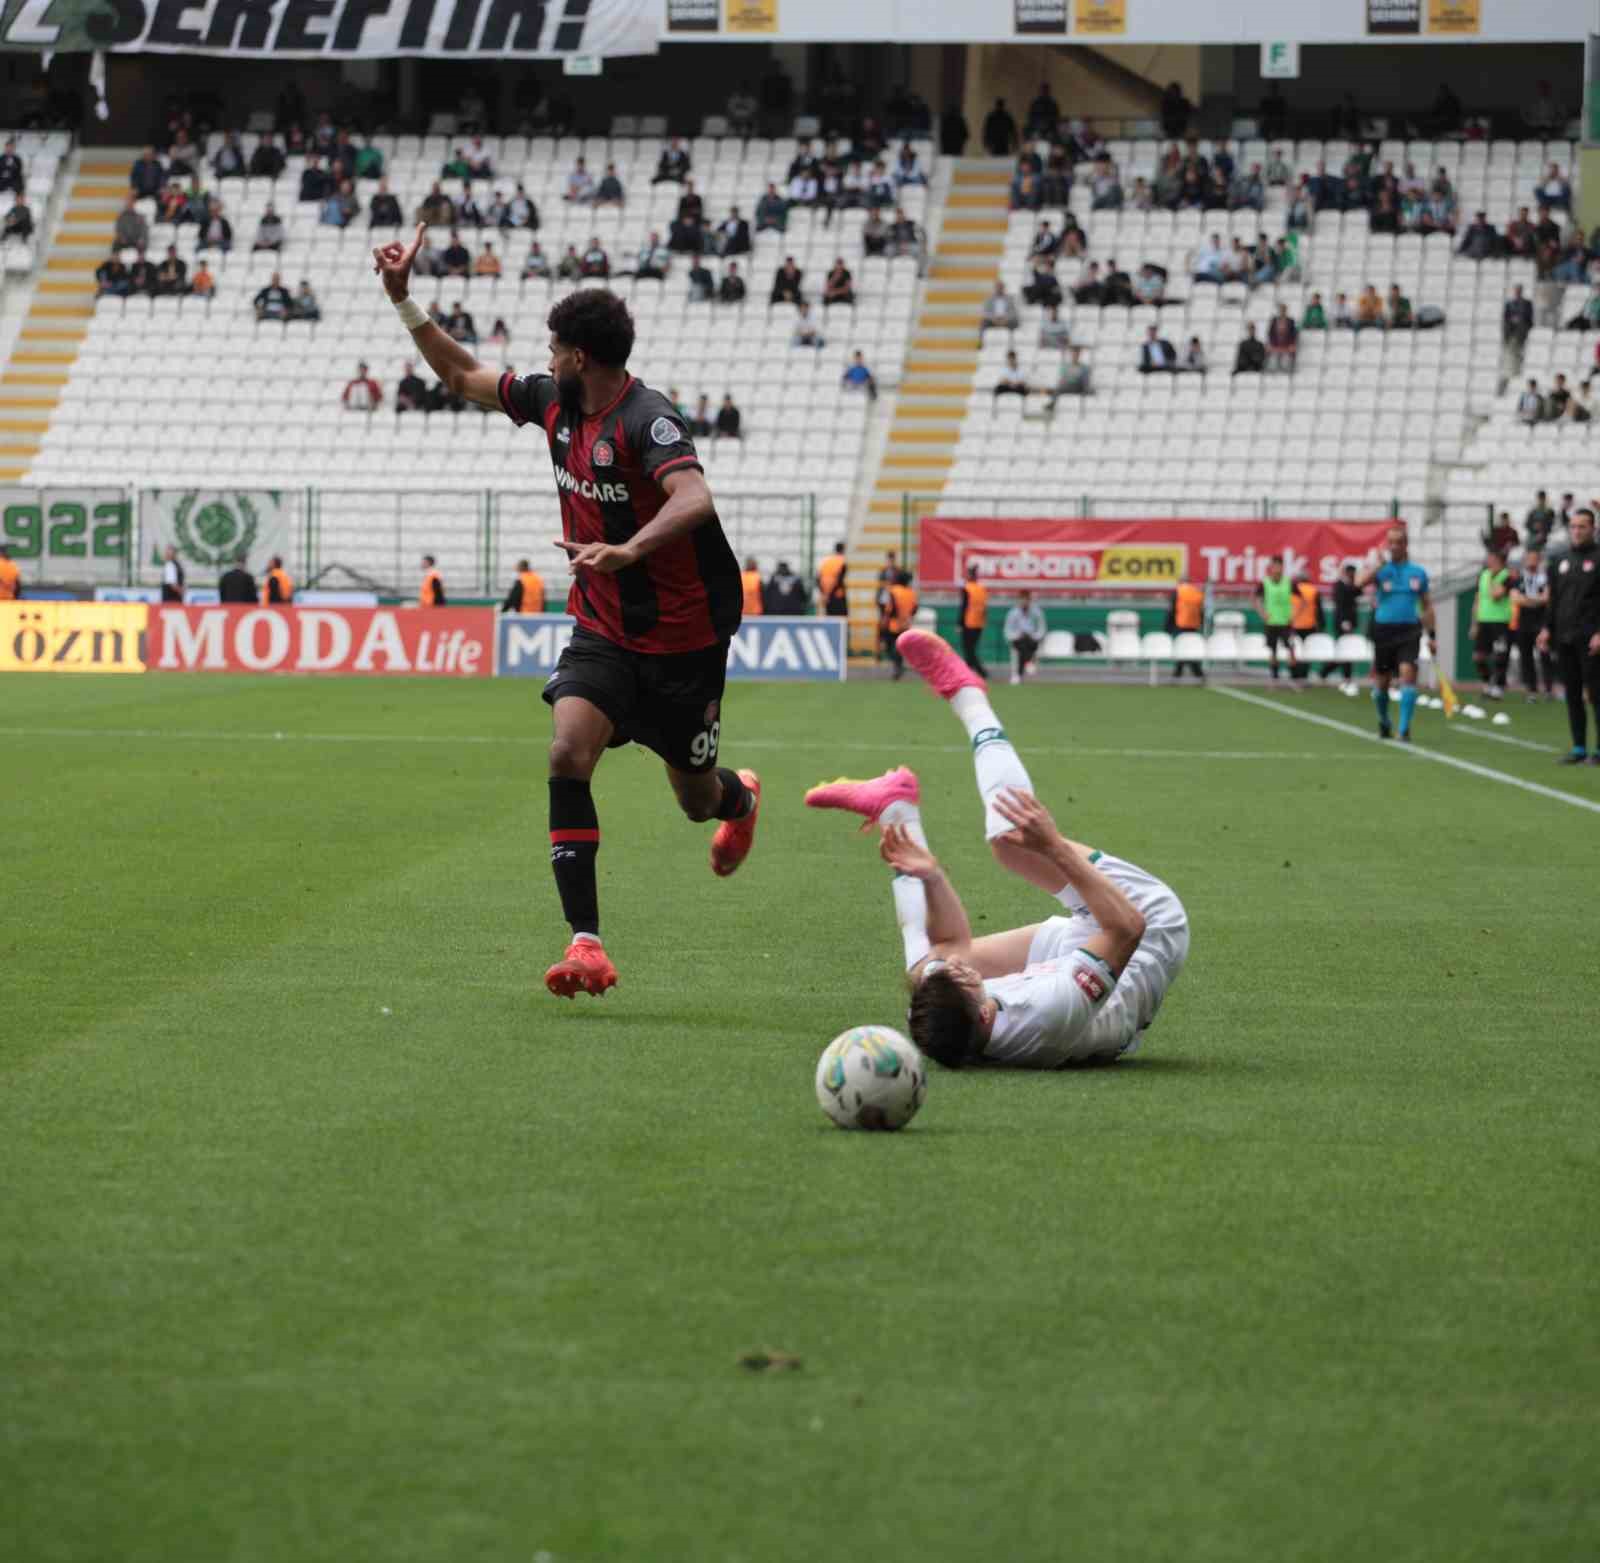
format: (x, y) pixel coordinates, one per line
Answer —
(1065, 1005)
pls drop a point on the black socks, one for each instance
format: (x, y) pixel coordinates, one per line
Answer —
(574, 841)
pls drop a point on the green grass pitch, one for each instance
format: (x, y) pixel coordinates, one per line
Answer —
(325, 1234)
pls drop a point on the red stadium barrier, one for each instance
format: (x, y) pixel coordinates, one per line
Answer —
(444, 642)
(1136, 556)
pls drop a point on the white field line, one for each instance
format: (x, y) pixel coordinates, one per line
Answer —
(825, 746)
(1433, 755)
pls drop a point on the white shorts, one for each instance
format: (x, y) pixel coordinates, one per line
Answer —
(1151, 969)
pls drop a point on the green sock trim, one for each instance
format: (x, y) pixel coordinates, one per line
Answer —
(1094, 857)
(989, 735)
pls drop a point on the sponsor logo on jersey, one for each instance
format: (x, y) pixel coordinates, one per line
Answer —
(665, 432)
(602, 455)
(564, 435)
(1093, 986)
(605, 493)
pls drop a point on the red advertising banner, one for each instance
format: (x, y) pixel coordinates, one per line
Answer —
(445, 642)
(1137, 556)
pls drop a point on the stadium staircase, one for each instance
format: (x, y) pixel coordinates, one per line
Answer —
(61, 307)
(938, 373)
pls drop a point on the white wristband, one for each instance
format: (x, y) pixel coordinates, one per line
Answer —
(411, 314)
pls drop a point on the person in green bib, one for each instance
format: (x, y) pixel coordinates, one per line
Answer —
(1275, 598)
(1491, 625)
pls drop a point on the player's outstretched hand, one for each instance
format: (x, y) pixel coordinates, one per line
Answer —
(1035, 829)
(607, 558)
(906, 856)
(393, 262)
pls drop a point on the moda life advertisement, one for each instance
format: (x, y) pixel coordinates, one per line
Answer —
(1137, 555)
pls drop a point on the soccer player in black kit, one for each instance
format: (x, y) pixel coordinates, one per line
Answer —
(655, 588)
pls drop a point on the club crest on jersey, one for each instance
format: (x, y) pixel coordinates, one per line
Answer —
(602, 455)
(1093, 987)
(665, 432)
(564, 435)
(711, 712)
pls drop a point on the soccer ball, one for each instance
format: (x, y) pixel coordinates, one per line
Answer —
(871, 1077)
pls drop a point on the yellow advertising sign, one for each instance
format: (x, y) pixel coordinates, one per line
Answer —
(752, 16)
(1143, 562)
(1102, 18)
(72, 637)
(1455, 16)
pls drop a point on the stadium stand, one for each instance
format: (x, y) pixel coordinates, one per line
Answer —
(220, 399)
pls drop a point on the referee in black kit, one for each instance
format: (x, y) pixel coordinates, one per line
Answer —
(1572, 633)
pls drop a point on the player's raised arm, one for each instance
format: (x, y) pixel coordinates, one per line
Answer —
(1121, 921)
(948, 931)
(448, 359)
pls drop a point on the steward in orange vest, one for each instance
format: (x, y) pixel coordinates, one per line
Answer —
(432, 593)
(1188, 618)
(527, 591)
(974, 615)
(898, 606)
(750, 580)
(277, 587)
(830, 582)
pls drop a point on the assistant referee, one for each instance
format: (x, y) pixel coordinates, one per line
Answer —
(1573, 633)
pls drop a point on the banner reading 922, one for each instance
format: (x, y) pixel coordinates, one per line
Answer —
(337, 29)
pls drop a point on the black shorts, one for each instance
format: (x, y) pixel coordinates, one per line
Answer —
(1492, 639)
(1393, 645)
(1279, 635)
(669, 702)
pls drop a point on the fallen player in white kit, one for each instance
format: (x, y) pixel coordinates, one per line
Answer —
(1068, 990)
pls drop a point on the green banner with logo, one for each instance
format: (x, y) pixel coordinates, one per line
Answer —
(212, 529)
(68, 536)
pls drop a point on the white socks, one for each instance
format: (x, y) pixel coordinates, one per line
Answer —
(993, 757)
(910, 899)
(908, 815)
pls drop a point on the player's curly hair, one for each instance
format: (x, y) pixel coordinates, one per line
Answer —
(942, 1020)
(597, 321)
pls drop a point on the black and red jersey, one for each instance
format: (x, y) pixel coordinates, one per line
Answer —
(609, 466)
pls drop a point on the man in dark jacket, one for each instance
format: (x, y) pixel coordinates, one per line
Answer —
(1346, 603)
(238, 584)
(1252, 355)
(784, 593)
(1573, 634)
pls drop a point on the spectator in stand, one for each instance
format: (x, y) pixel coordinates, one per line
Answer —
(1539, 522)
(570, 267)
(999, 131)
(732, 235)
(468, 213)
(361, 393)
(1054, 332)
(456, 166)
(172, 275)
(132, 232)
(673, 166)
(1343, 320)
(1210, 261)
(731, 290)
(341, 207)
(1150, 286)
(384, 212)
(1011, 381)
(1248, 192)
(730, 421)
(772, 211)
(229, 163)
(273, 301)
(368, 162)
(457, 257)
(437, 209)
(1553, 190)
(500, 332)
(805, 332)
(741, 109)
(202, 284)
(805, 188)
(701, 426)
(1502, 535)
(314, 181)
(688, 234)
(111, 278)
(874, 235)
(838, 286)
(1175, 111)
(304, 305)
(1315, 317)
(1073, 378)
(1278, 171)
(11, 175)
(536, 263)
(702, 285)
(580, 185)
(1530, 406)
(1397, 310)
(487, 263)
(1042, 287)
(520, 211)
(183, 156)
(787, 282)
(1252, 355)
(1520, 240)
(1105, 187)
(905, 238)
(411, 395)
(908, 168)
(1580, 407)
(459, 325)
(785, 593)
(146, 177)
(1194, 359)
(1480, 242)
(1546, 113)
(857, 377)
(270, 231)
(142, 275)
(1283, 341)
(999, 312)
(1369, 310)
(216, 232)
(479, 163)
(610, 191)
(1555, 405)
(1156, 354)
(1043, 113)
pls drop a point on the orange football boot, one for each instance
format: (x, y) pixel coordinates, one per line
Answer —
(585, 968)
(734, 838)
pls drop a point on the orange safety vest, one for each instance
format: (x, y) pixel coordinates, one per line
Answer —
(1189, 611)
(977, 613)
(432, 590)
(830, 576)
(901, 608)
(285, 586)
(1307, 614)
(10, 580)
(532, 590)
(751, 580)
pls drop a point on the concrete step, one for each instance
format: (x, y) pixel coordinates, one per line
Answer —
(955, 271)
(13, 448)
(98, 190)
(957, 383)
(921, 461)
(987, 178)
(33, 379)
(944, 434)
(61, 334)
(58, 356)
(975, 227)
(963, 198)
(945, 293)
(18, 423)
(986, 248)
(943, 409)
(12, 474)
(65, 263)
(957, 361)
(105, 168)
(62, 312)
